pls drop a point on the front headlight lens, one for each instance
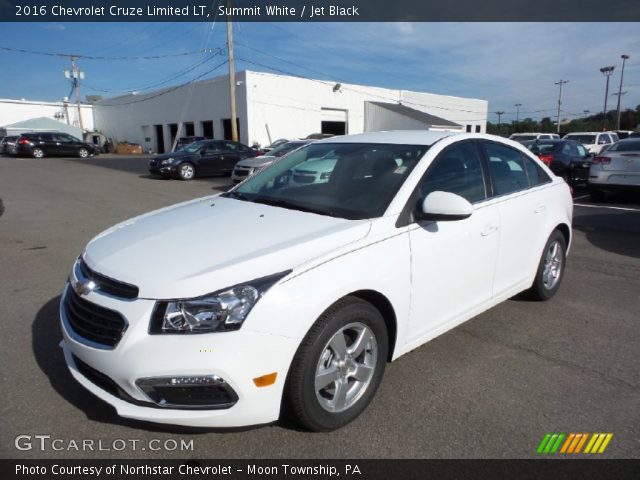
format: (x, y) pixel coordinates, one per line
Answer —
(221, 311)
(167, 161)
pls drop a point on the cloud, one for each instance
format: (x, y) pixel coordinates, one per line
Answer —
(53, 26)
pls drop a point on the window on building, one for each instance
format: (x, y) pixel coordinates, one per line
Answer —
(469, 128)
(478, 129)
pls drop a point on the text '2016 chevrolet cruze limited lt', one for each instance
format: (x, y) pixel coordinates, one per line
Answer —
(294, 293)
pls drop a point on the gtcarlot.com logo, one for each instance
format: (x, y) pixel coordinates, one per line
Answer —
(47, 442)
(574, 443)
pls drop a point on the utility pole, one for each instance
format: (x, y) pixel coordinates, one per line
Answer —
(607, 72)
(499, 116)
(620, 93)
(518, 105)
(75, 76)
(232, 76)
(561, 82)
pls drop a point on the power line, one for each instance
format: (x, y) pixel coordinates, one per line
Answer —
(168, 90)
(102, 57)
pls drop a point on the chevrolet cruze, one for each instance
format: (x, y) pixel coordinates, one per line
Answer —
(289, 299)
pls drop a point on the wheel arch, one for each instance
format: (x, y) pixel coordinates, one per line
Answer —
(384, 306)
(566, 232)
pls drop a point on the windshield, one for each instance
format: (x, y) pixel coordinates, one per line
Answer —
(194, 147)
(347, 180)
(285, 148)
(523, 137)
(625, 146)
(586, 139)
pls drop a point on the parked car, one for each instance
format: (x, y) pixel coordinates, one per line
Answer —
(634, 135)
(318, 136)
(184, 141)
(200, 159)
(248, 167)
(622, 134)
(616, 169)
(273, 145)
(301, 295)
(593, 141)
(523, 137)
(8, 144)
(566, 158)
(42, 144)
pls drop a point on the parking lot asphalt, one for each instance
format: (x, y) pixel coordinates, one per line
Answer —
(490, 388)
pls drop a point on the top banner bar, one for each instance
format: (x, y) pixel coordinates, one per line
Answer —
(319, 11)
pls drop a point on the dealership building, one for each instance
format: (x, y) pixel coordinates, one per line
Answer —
(271, 106)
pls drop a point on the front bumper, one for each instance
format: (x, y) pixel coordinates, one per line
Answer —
(237, 357)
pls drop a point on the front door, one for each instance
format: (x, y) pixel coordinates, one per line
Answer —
(453, 262)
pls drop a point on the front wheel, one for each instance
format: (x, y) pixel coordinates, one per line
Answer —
(186, 171)
(83, 153)
(338, 367)
(551, 268)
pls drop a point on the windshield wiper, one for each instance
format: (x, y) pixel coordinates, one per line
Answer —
(235, 194)
(279, 202)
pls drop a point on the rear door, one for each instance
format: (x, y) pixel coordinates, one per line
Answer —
(522, 205)
(231, 154)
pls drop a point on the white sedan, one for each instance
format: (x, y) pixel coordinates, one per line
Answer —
(290, 299)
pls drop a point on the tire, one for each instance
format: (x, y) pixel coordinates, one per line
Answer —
(322, 392)
(596, 195)
(37, 152)
(83, 153)
(550, 269)
(186, 171)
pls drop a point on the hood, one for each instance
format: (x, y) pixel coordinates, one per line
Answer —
(164, 156)
(261, 161)
(204, 245)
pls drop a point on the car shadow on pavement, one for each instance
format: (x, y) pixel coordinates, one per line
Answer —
(616, 233)
(45, 340)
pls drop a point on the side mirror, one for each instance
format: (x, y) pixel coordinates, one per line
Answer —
(444, 206)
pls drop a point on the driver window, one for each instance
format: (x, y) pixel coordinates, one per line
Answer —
(457, 170)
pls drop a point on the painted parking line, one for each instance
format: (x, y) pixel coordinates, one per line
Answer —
(608, 207)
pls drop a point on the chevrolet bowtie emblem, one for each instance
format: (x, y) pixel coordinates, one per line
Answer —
(84, 288)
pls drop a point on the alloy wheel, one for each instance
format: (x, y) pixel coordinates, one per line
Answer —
(552, 265)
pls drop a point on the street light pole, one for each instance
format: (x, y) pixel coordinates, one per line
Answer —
(624, 59)
(499, 115)
(561, 82)
(232, 77)
(607, 72)
(518, 105)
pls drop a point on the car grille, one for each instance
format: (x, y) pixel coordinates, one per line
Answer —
(109, 285)
(304, 178)
(93, 322)
(241, 173)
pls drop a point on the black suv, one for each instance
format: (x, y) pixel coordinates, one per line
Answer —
(40, 144)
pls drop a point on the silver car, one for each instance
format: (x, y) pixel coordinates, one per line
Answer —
(618, 168)
(246, 168)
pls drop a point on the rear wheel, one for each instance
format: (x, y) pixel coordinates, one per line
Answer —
(186, 171)
(551, 268)
(338, 367)
(37, 152)
(83, 153)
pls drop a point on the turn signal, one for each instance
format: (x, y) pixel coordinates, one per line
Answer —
(265, 380)
(601, 160)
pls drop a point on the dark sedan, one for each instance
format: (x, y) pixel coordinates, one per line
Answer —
(566, 158)
(41, 144)
(201, 159)
(8, 144)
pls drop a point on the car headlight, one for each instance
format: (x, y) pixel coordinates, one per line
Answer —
(221, 311)
(167, 161)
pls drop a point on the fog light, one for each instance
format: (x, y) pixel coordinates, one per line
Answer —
(265, 380)
(196, 392)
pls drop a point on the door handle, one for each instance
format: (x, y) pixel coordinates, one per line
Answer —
(488, 230)
(540, 209)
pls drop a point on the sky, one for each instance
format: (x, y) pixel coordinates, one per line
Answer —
(504, 63)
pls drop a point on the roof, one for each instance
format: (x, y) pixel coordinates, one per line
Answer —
(42, 124)
(401, 137)
(416, 114)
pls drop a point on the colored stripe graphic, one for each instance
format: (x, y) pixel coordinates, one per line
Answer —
(572, 443)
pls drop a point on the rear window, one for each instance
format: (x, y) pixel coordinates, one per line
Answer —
(625, 146)
(542, 147)
(521, 138)
(585, 139)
